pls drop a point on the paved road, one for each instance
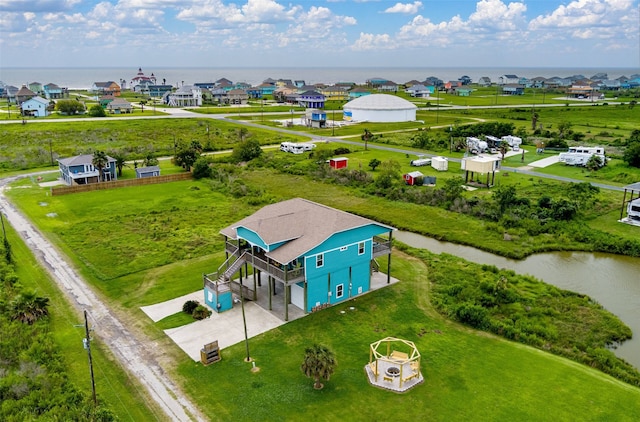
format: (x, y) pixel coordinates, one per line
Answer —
(130, 348)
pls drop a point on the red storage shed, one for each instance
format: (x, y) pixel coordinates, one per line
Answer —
(338, 163)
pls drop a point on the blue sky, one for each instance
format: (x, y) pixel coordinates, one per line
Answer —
(329, 33)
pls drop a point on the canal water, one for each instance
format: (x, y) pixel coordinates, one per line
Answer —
(611, 280)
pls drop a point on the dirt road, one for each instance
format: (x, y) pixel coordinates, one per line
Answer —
(128, 347)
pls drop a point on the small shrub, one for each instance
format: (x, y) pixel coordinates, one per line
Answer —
(189, 306)
(201, 312)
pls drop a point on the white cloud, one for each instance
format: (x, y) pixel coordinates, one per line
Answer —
(582, 13)
(407, 8)
(368, 42)
(492, 19)
(591, 20)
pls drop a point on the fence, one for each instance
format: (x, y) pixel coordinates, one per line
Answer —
(65, 190)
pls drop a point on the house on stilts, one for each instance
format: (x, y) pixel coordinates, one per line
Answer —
(316, 255)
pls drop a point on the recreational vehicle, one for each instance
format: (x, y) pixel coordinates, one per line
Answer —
(579, 156)
(513, 141)
(633, 209)
(421, 161)
(476, 146)
(296, 148)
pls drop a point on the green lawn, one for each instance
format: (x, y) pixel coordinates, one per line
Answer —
(468, 375)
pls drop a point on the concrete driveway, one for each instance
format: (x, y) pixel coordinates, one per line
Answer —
(227, 327)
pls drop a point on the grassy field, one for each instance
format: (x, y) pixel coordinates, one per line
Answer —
(149, 244)
(114, 386)
(143, 245)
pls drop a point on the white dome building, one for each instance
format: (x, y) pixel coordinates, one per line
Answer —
(379, 108)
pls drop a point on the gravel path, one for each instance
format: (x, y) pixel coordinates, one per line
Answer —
(128, 347)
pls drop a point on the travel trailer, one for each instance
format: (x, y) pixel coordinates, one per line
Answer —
(421, 161)
(579, 156)
(513, 141)
(297, 148)
(476, 146)
(633, 209)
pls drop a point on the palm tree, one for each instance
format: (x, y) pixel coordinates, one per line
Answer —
(242, 134)
(28, 308)
(121, 161)
(503, 149)
(319, 363)
(366, 137)
(100, 161)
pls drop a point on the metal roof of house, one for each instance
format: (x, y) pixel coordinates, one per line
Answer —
(301, 223)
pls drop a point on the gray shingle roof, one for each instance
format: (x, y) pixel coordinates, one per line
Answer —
(301, 223)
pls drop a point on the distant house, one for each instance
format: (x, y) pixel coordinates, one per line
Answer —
(36, 87)
(538, 82)
(119, 106)
(508, 79)
(484, 81)
(237, 97)
(24, 94)
(185, 96)
(106, 88)
(311, 99)
(157, 91)
(141, 82)
(610, 85)
(314, 256)
(285, 95)
(53, 91)
(376, 82)
(335, 93)
(419, 91)
(316, 118)
(358, 92)
(388, 86)
(35, 107)
(266, 89)
(462, 91)
(513, 89)
(79, 170)
(465, 80)
(150, 171)
(450, 85)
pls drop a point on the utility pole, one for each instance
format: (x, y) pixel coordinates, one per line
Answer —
(244, 321)
(51, 151)
(87, 345)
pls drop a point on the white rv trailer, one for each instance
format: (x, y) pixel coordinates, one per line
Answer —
(513, 141)
(476, 146)
(297, 148)
(633, 209)
(421, 161)
(579, 156)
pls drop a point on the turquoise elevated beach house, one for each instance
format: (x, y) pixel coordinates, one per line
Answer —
(316, 255)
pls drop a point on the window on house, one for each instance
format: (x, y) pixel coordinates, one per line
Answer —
(319, 260)
(360, 248)
(339, 291)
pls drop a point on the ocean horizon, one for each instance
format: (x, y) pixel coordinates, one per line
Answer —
(84, 77)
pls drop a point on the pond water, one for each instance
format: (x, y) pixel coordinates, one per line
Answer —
(611, 280)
